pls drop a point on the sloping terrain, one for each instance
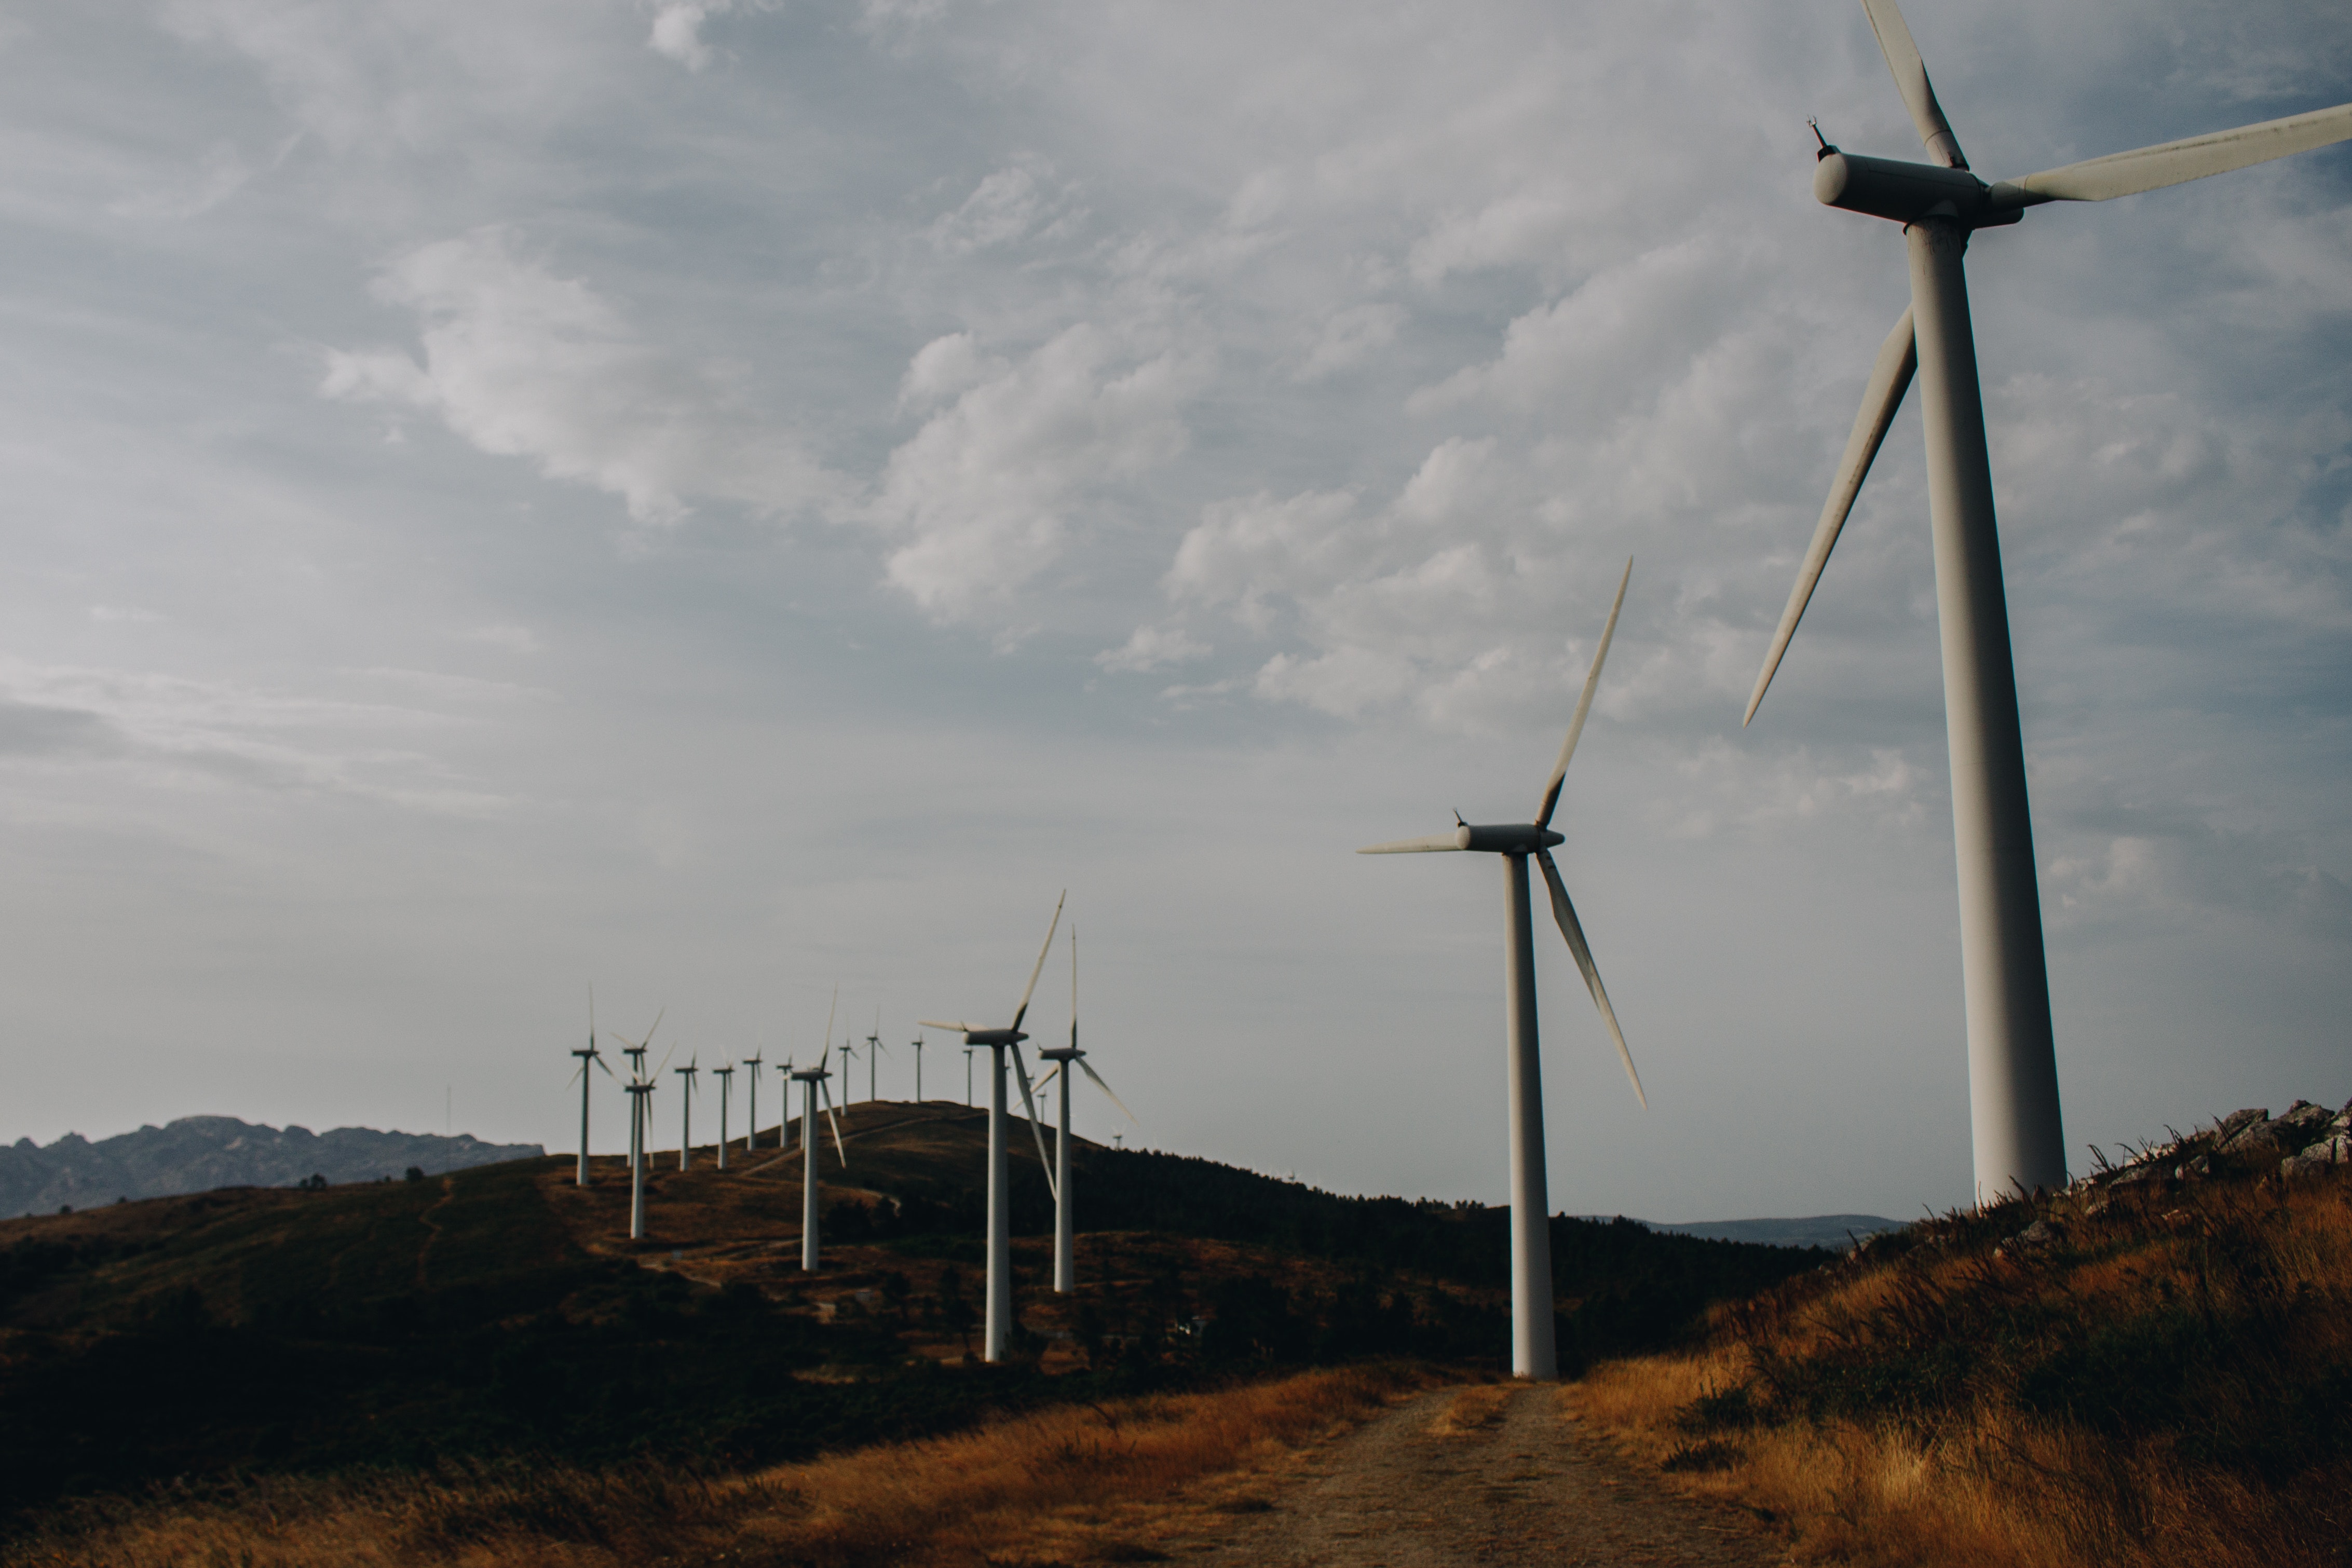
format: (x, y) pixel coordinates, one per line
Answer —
(2152, 1367)
(503, 1311)
(196, 1153)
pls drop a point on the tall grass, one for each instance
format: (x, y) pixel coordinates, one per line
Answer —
(1099, 1473)
(2163, 1377)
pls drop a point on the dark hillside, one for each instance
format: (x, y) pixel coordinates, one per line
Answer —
(500, 1310)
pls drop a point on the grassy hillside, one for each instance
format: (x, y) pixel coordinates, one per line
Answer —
(2152, 1367)
(500, 1311)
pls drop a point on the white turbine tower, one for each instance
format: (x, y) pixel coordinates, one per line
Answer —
(813, 1079)
(1065, 1270)
(917, 1043)
(587, 1056)
(1000, 1197)
(726, 1076)
(2013, 1105)
(752, 1106)
(1534, 1353)
(874, 1049)
(686, 1108)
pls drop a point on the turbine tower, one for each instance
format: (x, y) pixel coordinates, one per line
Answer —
(813, 1078)
(917, 1043)
(752, 1106)
(873, 1055)
(726, 1076)
(1000, 1197)
(1534, 1353)
(587, 1056)
(2013, 1105)
(686, 1108)
(1066, 1269)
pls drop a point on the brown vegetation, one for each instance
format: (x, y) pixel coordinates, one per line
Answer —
(1080, 1483)
(2156, 1372)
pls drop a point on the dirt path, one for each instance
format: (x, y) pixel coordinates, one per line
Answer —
(1487, 1476)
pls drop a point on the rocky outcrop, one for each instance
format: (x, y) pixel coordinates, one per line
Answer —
(2303, 1138)
(198, 1153)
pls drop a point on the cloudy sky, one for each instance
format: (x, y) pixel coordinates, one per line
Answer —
(718, 500)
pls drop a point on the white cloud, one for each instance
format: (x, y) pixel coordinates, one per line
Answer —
(980, 500)
(677, 30)
(1153, 648)
(525, 363)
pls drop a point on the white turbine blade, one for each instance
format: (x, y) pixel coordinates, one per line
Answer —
(1430, 845)
(959, 1027)
(1039, 968)
(2173, 163)
(1911, 80)
(1105, 1088)
(1584, 704)
(1020, 1073)
(600, 1063)
(1565, 912)
(1047, 1081)
(1890, 378)
(830, 1009)
(838, 1147)
(577, 1076)
(646, 1044)
(665, 1055)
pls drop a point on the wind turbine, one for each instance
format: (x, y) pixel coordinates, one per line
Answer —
(967, 1074)
(587, 1056)
(1000, 1205)
(1066, 1270)
(848, 1055)
(1534, 1353)
(685, 1107)
(635, 1052)
(2013, 1107)
(751, 1108)
(813, 1079)
(874, 1049)
(726, 1076)
(917, 1043)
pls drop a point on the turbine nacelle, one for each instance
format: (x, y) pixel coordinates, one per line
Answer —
(1505, 838)
(1060, 1053)
(1907, 192)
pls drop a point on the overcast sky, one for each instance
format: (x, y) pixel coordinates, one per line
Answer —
(718, 500)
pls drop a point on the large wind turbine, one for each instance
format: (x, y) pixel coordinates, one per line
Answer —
(1065, 1270)
(1534, 1353)
(813, 1078)
(2013, 1109)
(1000, 1197)
(587, 1056)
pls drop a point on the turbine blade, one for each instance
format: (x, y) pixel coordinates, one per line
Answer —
(959, 1027)
(2173, 163)
(1911, 81)
(1565, 912)
(646, 1044)
(1105, 1088)
(831, 1008)
(1047, 1081)
(1890, 378)
(838, 1146)
(1021, 1072)
(1584, 704)
(1430, 845)
(577, 1076)
(600, 1063)
(1039, 968)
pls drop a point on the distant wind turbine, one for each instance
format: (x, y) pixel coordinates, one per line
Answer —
(1066, 1270)
(918, 1045)
(726, 1076)
(813, 1078)
(874, 1049)
(1534, 1353)
(2018, 1141)
(752, 1105)
(685, 1109)
(587, 1056)
(999, 1197)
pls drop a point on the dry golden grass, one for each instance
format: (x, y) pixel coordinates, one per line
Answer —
(1987, 1480)
(1472, 1410)
(1073, 1484)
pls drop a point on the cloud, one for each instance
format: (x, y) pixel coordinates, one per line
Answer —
(979, 501)
(677, 30)
(1153, 648)
(522, 362)
(1014, 203)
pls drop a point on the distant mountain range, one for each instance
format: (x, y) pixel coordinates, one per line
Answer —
(1835, 1231)
(196, 1154)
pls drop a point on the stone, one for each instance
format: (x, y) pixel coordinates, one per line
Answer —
(2237, 1121)
(2336, 1149)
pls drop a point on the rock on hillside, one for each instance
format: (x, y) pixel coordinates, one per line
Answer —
(198, 1153)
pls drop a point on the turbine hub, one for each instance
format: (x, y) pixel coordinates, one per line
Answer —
(1905, 193)
(1505, 838)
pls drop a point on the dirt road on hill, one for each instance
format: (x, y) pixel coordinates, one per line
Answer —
(1491, 1475)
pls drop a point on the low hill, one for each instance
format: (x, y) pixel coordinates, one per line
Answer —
(196, 1153)
(2152, 1367)
(501, 1309)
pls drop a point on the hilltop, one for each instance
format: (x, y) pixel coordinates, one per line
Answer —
(501, 1310)
(196, 1153)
